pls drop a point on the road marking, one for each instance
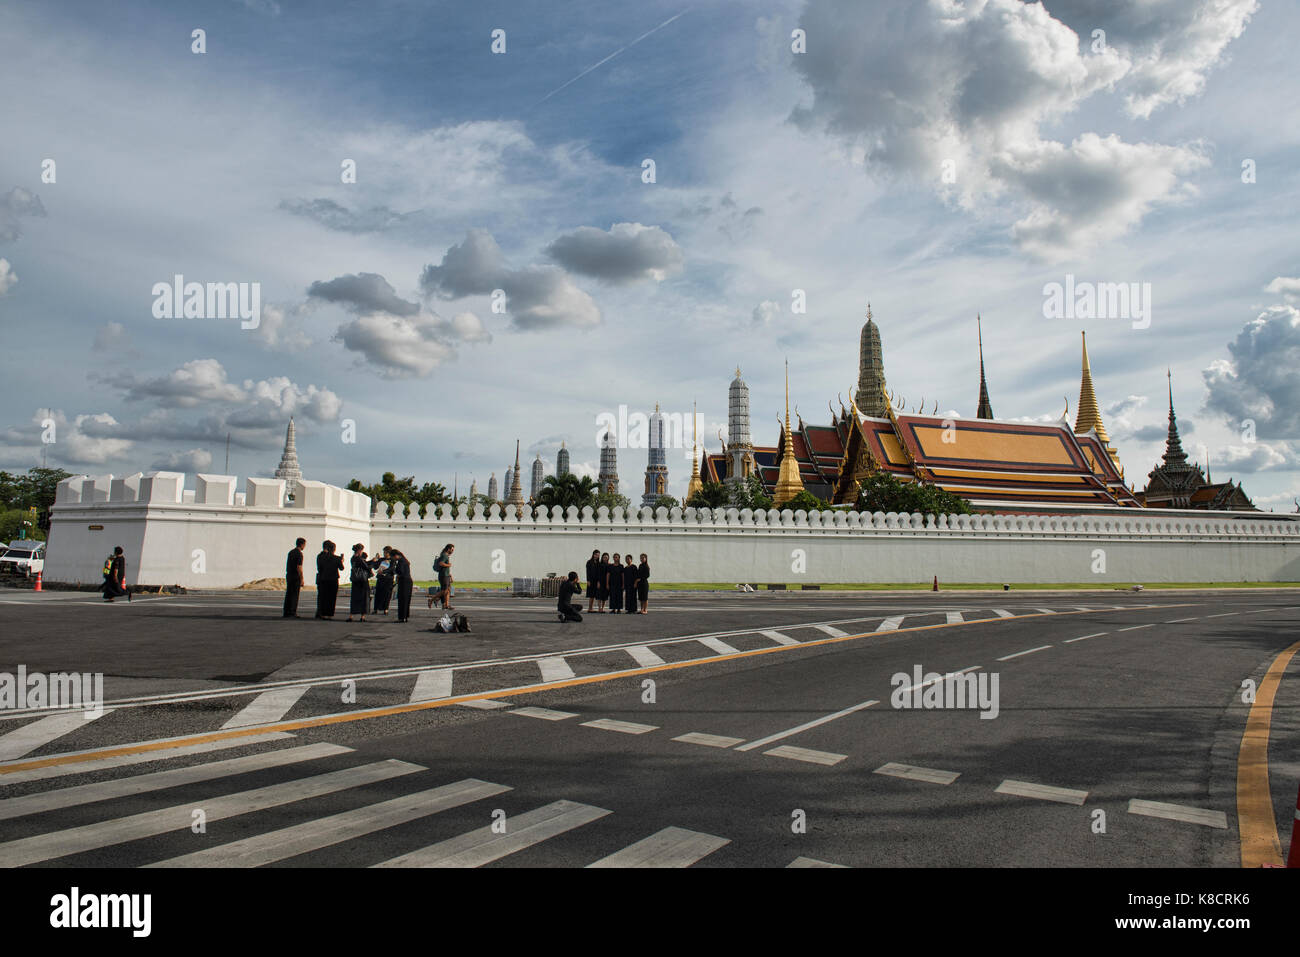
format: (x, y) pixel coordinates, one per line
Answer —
(625, 727)
(1028, 651)
(830, 630)
(1134, 627)
(546, 714)
(89, 837)
(671, 847)
(1224, 614)
(890, 624)
(1085, 637)
(484, 704)
(779, 638)
(954, 617)
(1081, 608)
(1179, 812)
(1003, 613)
(266, 708)
(337, 828)
(937, 679)
(483, 846)
(644, 657)
(122, 760)
(43, 801)
(432, 685)
(1178, 621)
(914, 773)
(555, 669)
(709, 740)
(804, 727)
(1260, 843)
(810, 862)
(42, 731)
(1042, 791)
(806, 754)
(1045, 611)
(721, 647)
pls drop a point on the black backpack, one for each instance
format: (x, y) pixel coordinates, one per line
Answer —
(462, 623)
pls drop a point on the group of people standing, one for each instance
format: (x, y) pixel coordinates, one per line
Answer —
(620, 584)
(391, 571)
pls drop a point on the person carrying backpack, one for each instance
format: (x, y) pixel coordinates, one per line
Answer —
(115, 576)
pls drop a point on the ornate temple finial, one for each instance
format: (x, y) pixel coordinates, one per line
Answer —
(696, 482)
(1088, 417)
(737, 372)
(788, 482)
(868, 312)
(985, 409)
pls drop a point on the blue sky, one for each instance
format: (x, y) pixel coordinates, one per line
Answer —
(775, 171)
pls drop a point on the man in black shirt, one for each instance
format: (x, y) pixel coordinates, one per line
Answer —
(568, 588)
(293, 579)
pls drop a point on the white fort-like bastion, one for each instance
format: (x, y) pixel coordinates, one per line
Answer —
(213, 535)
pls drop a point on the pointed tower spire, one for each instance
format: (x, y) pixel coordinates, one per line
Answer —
(871, 370)
(516, 496)
(788, 482)
(985, 410)
(1174, 455)
(288, 468)
(1088, 416)
(696, 483)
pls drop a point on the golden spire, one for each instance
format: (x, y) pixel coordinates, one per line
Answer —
(788, 482)
(696, 483)
(1088, 416)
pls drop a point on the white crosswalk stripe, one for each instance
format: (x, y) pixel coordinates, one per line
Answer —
(267, 707)
(42, 731)
(954, 617)
(89, 837)
(1003, 613)
(432, 685)
(337, 828)
(779, 638)
(555, 669)
(831, 630)
(810, 862)
(158, 780)
(486, 844)
(671, 847)
(891, 624)
(644, 657)
(718, 645)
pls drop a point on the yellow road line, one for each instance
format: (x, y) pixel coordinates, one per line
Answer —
(365, 714)
(1260, 844)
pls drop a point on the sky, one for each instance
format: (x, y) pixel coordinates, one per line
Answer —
(471, 224)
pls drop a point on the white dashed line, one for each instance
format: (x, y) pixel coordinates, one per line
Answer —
(914, 773)
(1178, 621)
(709, 740)
(1179, 812)
(546, 714)
(804, 727)
(1043, 792)
(1028, 651)
(1134, 627)
(806, 754)
(810, 862)
(1085, 637)
(485, 704)
(623, 727)
(1224, 614)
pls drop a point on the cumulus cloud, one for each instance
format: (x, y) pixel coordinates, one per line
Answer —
(194, 460)
(1285, 286)
(282, 326)
(1258, 380)
(1255, 457)
(331, 215)
(7, 277)
(766, 311)
(955, 95)
(626, 253)
(87, 439)
(536, 297)
(197, 381)
(16, 203)
(364, 293)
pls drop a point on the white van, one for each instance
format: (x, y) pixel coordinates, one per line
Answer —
(24, 557)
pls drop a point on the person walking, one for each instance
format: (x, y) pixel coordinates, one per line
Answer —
(643, 583)
(629, 585)
(359, 578)
(593, 579)
(404, 584)
(328, 566)
(115, 576)
(614, 584)
(293, 578)
(383, 580)
(442, 567)
(568, 588)
(602, 582)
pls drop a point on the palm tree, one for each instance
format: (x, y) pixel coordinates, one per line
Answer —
(567, 490)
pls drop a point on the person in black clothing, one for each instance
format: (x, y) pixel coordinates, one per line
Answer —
(593, 579)
(629, 586)
(643, 583)
(115, 580)
(383, 580)
(602, 582)
(359, 577)
(402, 574)
(328, 566)
(569, 588)
(293, 578)
(614, 584)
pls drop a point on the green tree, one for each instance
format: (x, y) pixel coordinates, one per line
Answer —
(805, 500)
(567, 490)
(710, 495)
(391, 489)
(35, 490)
(665, 501)
(13, 523)
(749, 494)
(882, 492)
(612, 500)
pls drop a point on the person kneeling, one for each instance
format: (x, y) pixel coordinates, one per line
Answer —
(568, 588)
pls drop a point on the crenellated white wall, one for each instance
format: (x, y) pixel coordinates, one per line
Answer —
(244, 536)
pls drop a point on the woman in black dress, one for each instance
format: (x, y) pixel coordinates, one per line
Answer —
(360, 580)
(593, 578)
(614, 584)
(115, 578)
(383, 566)
(629, 586)
(643, 583)
(328, 566)
(602, 591)
(402, 577)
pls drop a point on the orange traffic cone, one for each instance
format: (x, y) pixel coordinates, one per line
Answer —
(38, 581)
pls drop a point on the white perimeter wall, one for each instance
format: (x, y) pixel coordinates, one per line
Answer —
(160, 525)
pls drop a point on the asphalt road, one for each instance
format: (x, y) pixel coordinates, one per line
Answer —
(756, 745)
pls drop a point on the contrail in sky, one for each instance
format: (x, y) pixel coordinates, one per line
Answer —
(611, 56)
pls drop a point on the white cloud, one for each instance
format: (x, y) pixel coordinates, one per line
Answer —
(627, 253)
(193, 460)
(766, 311)
(7, 277)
